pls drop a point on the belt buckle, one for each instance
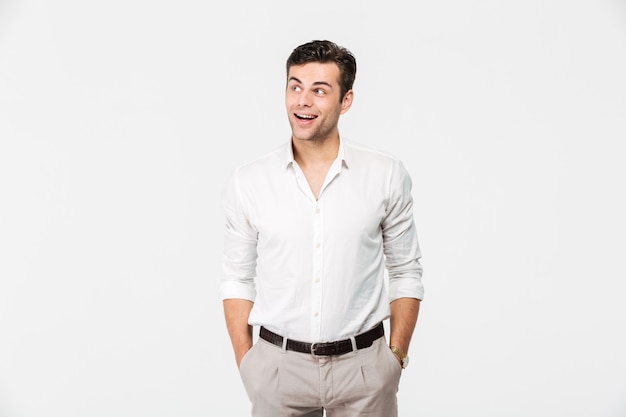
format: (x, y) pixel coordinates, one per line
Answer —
(325, 349)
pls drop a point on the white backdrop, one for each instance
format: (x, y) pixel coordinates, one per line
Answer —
(120, 121)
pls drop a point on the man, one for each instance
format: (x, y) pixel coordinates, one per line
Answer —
(309, 231)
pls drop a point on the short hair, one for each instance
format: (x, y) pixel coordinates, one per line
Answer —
(324, 52)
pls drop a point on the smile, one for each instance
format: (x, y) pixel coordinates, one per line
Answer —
(305, 116)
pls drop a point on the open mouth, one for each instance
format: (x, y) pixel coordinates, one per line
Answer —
(305, 116)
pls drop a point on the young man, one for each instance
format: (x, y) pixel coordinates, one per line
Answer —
(309, 231)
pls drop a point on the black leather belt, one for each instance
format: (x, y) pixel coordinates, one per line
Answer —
(340, 347)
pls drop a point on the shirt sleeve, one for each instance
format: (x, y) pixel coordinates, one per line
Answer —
(402, 252)
(240, 246)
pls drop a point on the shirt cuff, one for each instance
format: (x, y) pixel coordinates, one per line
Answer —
(234, 289)
(406, 288)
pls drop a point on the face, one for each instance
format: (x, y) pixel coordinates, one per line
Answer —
(313, 101)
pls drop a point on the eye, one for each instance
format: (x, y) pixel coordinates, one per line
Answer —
(319, 92)
(296, 88)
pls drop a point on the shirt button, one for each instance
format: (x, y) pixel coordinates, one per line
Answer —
(317, 211)
(317, 245)
(316, 314)
(317, 279)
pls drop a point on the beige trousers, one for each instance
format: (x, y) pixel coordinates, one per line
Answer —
(282, 383)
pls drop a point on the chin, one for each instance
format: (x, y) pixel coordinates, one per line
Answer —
(302, 135)
(302, 138)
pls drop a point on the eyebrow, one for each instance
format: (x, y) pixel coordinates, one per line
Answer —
(315, 83)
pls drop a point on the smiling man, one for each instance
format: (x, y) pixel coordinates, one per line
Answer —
(310, 229)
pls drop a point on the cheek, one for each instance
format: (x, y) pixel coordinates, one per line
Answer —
(289, 97)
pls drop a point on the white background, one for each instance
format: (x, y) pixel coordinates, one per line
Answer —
(120, 121)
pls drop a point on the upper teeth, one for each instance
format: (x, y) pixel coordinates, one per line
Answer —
(305, 116)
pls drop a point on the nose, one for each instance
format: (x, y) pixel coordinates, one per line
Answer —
(304, 99)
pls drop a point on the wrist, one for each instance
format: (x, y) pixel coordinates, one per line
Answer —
(401, 355)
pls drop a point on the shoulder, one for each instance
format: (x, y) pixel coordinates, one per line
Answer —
(370, 157)
(262, 165)
(249, 175)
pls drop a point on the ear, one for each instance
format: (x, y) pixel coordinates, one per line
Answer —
(346, 103)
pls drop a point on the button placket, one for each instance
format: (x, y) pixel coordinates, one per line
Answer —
(316, 278)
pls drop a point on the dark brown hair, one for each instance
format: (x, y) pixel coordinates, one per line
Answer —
(323, 52)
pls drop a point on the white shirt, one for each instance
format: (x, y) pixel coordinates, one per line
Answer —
(315, 269)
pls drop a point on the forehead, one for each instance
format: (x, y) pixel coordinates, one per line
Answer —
(314, 72)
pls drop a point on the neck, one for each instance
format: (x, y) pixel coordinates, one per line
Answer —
(307, 153)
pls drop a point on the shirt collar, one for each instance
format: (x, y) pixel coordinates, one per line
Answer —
(341, 154)
(289, 159)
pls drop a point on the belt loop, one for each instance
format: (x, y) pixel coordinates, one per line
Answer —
(284, 344)
(353, 340)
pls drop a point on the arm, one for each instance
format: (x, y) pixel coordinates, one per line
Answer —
(402, 259)
(236, 312)
(239, 264)
(404, 312)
